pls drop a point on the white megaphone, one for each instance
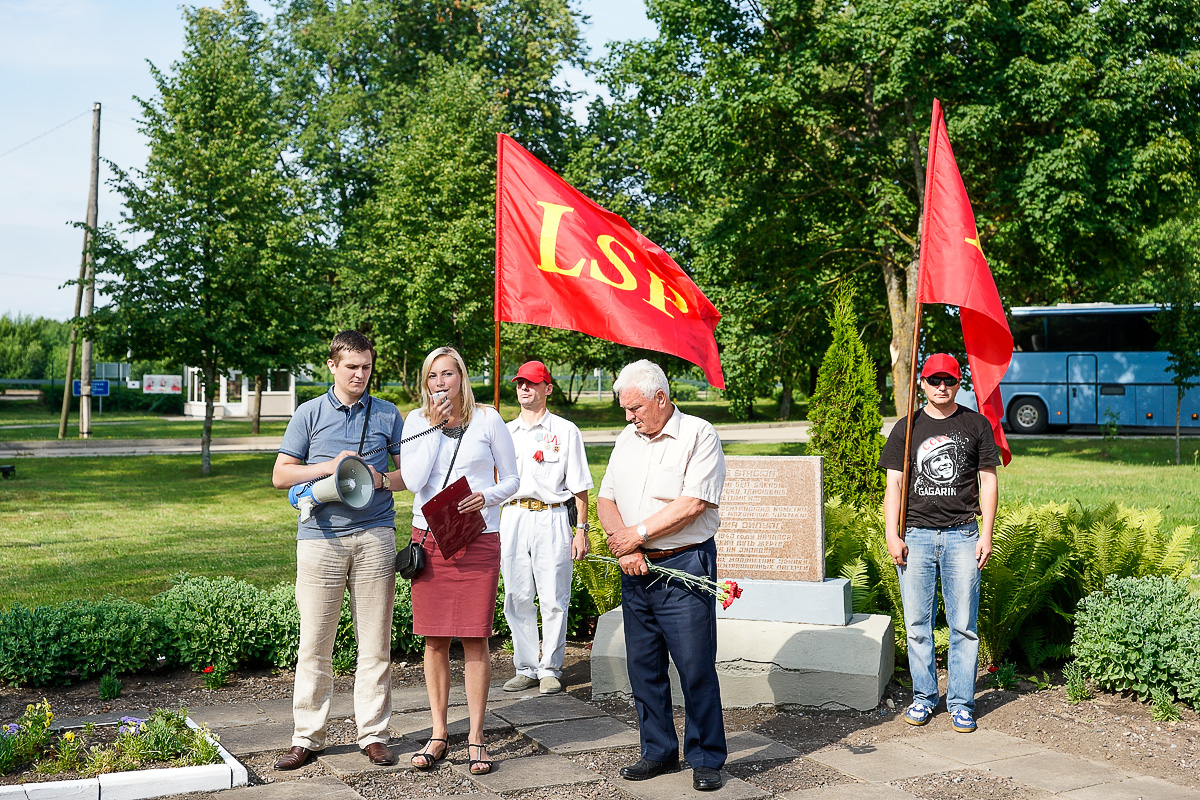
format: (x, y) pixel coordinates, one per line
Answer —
(351, 483)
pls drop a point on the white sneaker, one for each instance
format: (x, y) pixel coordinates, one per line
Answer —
(519, 683)
(550, 685)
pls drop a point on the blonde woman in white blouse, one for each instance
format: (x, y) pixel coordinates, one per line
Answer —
(457, 597)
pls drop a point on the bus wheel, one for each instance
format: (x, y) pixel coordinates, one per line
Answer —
(1027, 415)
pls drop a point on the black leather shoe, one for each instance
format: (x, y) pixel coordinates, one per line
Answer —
(646, 769)
(706, 779)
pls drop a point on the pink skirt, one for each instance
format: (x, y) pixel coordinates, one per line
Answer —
(457, 597)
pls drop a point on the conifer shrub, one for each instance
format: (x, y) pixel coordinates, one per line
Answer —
(844, 412)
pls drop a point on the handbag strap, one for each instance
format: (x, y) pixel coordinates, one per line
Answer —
(457, 444)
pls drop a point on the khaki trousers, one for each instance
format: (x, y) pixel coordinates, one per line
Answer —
(364, 562)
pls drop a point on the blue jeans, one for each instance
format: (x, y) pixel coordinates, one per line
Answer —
(950, 552)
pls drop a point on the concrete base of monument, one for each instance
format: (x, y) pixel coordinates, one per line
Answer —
(819, 602)
(773, 663)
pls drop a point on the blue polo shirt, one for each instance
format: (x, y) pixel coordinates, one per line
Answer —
(325, 426)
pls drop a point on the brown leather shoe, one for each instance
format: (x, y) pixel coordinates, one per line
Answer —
(379, 754)
(295, 758)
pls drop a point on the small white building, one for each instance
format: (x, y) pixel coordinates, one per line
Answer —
(235, 397)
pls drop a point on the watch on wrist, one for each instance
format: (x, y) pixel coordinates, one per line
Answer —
(641, 531)
(583, 527)
(387, 482)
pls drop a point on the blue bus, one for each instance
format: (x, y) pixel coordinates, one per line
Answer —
(1090, 364)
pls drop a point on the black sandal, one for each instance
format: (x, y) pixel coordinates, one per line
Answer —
(430, 760)
(471, 762)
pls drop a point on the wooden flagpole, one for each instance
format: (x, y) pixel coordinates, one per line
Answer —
(908, 422)
(496, 298)
(922, 227)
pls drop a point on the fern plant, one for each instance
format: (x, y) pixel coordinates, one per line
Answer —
(1029, 556)
(603, 582)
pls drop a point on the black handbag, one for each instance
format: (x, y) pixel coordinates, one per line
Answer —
(410, 560)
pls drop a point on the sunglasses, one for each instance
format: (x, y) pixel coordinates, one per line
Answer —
(936, 381)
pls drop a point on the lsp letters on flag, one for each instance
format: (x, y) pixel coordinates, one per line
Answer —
(564, 262)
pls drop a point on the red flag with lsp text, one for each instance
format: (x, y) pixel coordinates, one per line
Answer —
(564, 262)
(952, 270)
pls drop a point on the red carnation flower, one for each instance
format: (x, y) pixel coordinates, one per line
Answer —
(538, 457)
(207, 670)
(730, 591)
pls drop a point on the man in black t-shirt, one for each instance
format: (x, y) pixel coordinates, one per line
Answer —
(952, 479)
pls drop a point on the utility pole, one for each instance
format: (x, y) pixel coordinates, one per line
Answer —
(84, 273)
(89, 283)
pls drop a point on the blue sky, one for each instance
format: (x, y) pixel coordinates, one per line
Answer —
(59, 56)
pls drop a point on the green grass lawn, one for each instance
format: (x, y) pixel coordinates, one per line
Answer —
(90, 527)
(588, 413)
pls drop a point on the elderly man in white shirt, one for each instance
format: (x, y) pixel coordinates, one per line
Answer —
(537, 543)
(658, 501)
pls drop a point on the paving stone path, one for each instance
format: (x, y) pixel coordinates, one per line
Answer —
(561, 726)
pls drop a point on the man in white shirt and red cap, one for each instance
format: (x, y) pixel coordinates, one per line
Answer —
(537, 541)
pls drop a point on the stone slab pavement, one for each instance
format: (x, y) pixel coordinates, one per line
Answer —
(561, 725)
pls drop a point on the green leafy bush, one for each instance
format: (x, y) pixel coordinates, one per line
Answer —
(307, 391)
(214, 621)
(403, 638)
(35, 646)
(683, 392)
(1141, 634)
(114, 636)
(279, 607)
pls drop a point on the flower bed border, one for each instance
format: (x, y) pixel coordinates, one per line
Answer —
(139, 784)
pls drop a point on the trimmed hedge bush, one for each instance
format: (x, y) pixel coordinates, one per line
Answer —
(1140, 635)
(198, 622)
(59, 644)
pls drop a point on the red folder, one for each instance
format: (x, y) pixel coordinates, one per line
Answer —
(451, 530)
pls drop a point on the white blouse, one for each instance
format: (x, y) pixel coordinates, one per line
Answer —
(487, 448)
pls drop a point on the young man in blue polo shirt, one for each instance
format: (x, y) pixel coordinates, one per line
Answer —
(340, 547)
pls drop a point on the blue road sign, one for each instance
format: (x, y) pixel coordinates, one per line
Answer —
(99, 388)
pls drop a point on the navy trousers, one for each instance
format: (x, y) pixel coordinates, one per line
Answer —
(663, 616)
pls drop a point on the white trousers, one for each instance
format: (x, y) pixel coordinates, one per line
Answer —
(366, 563)
(535, 559)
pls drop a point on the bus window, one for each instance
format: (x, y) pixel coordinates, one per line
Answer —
(1068, 333)
(1132, 333)
(1029, 334)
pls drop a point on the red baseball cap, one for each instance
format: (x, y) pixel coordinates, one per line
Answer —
(941, 362)
(534, 372)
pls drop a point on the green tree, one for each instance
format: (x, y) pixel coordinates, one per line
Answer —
(386, 96)
(785, 142)
(1175, 248)
(216, 275)
(33, 347)
(845, 412)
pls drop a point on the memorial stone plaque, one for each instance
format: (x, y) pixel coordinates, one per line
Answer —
(772, 519)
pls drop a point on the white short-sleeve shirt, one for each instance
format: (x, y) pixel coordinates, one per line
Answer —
(644, 474)
(562, 470)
